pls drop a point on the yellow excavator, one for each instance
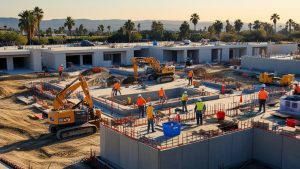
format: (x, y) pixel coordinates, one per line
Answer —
(76, 120)
(161, 74)
(269, 78)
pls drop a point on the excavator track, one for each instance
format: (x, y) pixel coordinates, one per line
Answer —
(165, 79)
(76, 131)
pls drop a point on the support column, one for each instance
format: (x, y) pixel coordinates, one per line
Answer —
(81, 60)
(185, 55)
(10, 63)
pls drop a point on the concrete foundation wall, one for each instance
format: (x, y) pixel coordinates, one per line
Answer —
(271, 65)
(279, 49)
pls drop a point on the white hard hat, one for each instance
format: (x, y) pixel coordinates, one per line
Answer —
(185, 92)
(150, 104)
(263, 86)
(139, 95)
(295, 83)
(199, 100)
(62, 65)
(161, 87)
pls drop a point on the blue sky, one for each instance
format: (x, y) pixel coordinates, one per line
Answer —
(208, 10)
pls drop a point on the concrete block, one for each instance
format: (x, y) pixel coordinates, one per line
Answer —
(267, 147)
(241, 147)
(220, 152)
(112, 149)
(129, 152)
(148, 157)
(195, 155)
(171, 158)
(290, 153)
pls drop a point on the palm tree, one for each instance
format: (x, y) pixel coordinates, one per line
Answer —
(139, 27)
(194, 19)
(250, 26)
(238, 24)
(69, 24)
(290, 23)
(228, 27)
(108, 28)
(218, 26)
(39, 14)
(256, 25)
(129, 27)
(101, 28)
(275, 17)
(27, 23)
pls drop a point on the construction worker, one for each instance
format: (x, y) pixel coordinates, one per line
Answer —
(190, 77)
(199, 110)
(117, 88)
(162, 95)
(296, 89)
(150, 117)
(184, 99)
(60, 71)
(262, 98)
(141, 102)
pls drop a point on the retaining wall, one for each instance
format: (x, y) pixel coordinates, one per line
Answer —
(227, 151)
(280, 66)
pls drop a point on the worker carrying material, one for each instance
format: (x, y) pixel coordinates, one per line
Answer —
(150, 117)
(141, 102)
(190, 77)
(162, 95)
(184, 99)
(60, 71)
(116, 88)
(296, 89)
(262, 98)
(199, 110)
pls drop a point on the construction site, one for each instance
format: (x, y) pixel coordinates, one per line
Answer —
(85, 111)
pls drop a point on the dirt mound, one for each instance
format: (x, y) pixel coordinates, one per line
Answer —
(128, 80)
(5, 92)
(199, 71)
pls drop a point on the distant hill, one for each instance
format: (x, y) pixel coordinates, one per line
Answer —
(114, 23)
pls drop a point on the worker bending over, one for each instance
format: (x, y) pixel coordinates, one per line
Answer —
(60, 71)
(190, 77)
(150, 117)
(297, 89)
(162, 95)
(117, 88)
(184, 99)
(199, 110)
(262, 98)
(141, 102)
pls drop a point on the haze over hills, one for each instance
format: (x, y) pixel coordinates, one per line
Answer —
(115, 24)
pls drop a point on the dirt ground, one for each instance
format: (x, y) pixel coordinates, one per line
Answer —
(27, 142)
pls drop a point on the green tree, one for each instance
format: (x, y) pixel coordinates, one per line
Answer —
(275, 17)
(290, 24)
(80, 30)
(250, 26)
(27, 23)
(256, 25)
(139, 27)
(267, 27)
(69, 23)
(184, 30)
(229, 37)
(194, 19)
(170, 36)
(136, 36)
(157, 31)
(129, 27)
(238, 25)
(49, 31)
(100, 29)
(218, 26)
(108, 29)
(39, 14)
(211, 30)
(61, 30)
(228, 27)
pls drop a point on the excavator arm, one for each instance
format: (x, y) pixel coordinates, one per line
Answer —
(155, 64)
(58, 102)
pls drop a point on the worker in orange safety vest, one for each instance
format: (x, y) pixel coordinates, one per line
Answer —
(297, 89)
(190, 77)
(117, 88)
(262, 98)
(60, 70)
(141, 102)
(162, 95)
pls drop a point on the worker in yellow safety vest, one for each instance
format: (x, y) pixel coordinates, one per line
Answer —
(184, 99)
(199, 110)
(262, 98)
(150, 117)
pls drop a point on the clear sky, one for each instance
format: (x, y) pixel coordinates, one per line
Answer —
(209, 10)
